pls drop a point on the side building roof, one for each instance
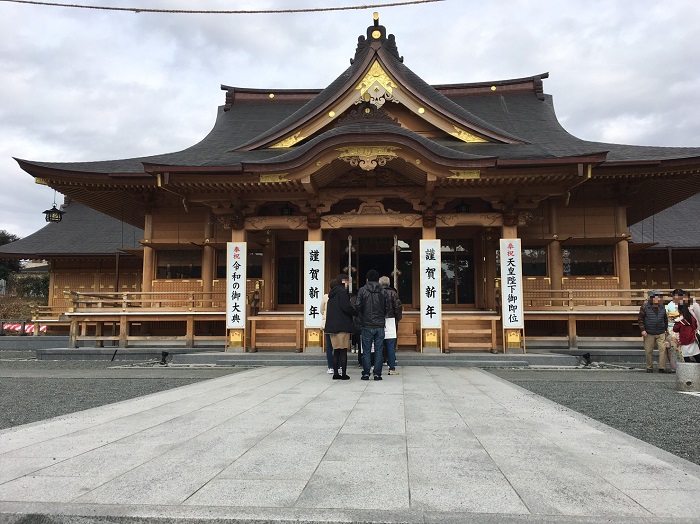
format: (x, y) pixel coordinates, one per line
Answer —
(673, 227)
(82, 231)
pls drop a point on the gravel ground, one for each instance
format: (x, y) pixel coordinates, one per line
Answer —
(32, 390)
(642, 405)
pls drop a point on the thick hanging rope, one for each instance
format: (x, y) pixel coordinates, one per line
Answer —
(223, 12)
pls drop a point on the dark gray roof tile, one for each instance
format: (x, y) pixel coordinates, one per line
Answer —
(83, 231)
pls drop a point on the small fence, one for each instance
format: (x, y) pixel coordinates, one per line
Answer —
(21, 327)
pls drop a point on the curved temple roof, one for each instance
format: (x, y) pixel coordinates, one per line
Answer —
(502, 123)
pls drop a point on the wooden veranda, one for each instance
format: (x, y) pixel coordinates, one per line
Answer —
(196, 319)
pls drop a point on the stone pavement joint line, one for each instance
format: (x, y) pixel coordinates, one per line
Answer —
(288, 444)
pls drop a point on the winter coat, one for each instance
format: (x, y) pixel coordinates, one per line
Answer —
(685, 330)
(339, 312)
(372, 306)
(395, 305)
(652, 319)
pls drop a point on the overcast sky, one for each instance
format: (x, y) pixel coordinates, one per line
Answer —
(80, 84)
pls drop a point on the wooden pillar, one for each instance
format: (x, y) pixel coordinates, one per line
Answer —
(148, 256)
(571, 325)
(123, 331)
(73, 336)
(116, 272)
(509, 231)
(479, 272)
(98, 333)
(555, 261)
(315, 235)
(238, 235)
(208, 256)
(490, 270)
(208, 261)
(429, 233)
(268, 273)
(53, 299)
(189, 331)
(415, 263)
(622, 254)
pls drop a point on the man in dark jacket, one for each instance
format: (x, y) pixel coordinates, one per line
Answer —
(339, 314)
(372, 309)
(652, 322)
(395, 313)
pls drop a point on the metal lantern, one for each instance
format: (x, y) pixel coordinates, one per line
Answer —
(54, 214)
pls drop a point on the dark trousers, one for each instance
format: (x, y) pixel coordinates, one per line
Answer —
(370, 335)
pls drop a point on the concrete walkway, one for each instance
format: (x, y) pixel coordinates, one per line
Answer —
(290, 444)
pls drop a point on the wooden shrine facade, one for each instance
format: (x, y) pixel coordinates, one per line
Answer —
(372, 164)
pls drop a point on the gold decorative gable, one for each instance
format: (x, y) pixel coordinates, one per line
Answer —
(376, 87)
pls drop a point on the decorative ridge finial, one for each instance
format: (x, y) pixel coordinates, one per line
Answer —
(376, 33)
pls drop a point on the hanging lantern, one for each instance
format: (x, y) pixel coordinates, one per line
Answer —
(54, 214)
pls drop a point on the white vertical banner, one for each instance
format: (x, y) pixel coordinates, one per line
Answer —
(512, 284)
(430, 284)
(236, 253)
(314, 261)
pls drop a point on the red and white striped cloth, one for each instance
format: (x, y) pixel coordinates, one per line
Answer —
(28, 327)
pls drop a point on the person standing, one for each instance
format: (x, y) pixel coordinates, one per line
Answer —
(686, 326)
(326, 336)
(372, 309)
(394, 314)
(653, 322)
(339, 326)
(673, 314)
(694, 308)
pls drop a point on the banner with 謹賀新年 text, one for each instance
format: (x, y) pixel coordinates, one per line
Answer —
(236, 255)
(314, 260)
(430, 284)
(512, 284)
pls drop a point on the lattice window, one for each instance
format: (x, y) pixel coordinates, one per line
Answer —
(590, 285)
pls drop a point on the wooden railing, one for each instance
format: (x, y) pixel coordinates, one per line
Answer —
(588, 299)
(140, 301)
(124, 318)
(104, 317)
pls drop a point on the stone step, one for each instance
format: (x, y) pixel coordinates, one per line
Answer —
(273, 358)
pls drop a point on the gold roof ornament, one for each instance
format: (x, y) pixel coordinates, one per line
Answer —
(367, 158)
(270, 179)
(465, 174)
(289, 141)
(466, 136)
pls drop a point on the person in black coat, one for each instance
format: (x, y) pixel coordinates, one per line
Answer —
(372, 308)
(339, 316)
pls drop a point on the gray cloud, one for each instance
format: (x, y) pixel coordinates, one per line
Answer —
(89, 85)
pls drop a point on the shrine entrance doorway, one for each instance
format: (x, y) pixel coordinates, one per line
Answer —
(377, 252)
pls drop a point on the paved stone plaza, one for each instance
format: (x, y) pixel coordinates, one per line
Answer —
(433, 444)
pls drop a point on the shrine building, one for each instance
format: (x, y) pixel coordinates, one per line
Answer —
(371, 167)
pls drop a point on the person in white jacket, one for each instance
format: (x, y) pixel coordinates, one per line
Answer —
(695, 311)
